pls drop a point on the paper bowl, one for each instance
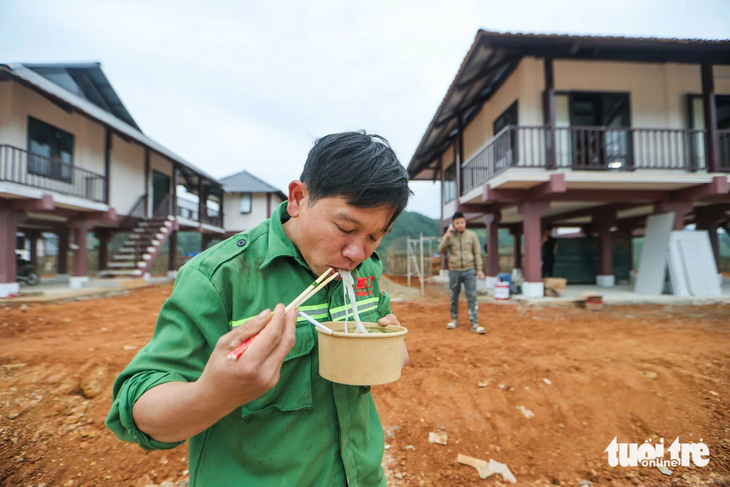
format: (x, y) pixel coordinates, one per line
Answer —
(359, 359)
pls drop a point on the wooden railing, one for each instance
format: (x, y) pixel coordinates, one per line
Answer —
(187, 209)
(213, 217)
(723, 143)
(20, 166)
(593, 148)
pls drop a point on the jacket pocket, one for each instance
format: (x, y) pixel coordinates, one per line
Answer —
(293, 392)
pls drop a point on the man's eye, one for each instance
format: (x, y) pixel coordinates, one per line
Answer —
(346, 232)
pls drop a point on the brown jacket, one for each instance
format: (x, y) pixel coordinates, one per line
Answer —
(464, 250)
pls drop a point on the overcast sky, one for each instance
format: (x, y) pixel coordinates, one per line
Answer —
(232, 85)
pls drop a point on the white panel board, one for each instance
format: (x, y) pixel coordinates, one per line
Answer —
(690, 253)
(653, 262)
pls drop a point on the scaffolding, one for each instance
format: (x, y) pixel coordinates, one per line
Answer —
(416, 265)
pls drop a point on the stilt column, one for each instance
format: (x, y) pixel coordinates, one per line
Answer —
(172, 255)
(517, 247)
(8, 228)
(532, 212)
(79, 274)
(602, 223)
(491, 221)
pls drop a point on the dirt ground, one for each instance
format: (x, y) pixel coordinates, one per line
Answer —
(635, 372)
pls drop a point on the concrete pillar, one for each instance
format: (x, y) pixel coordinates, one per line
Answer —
(32, 236)
(79, 274)
(517, 247)
(172, 256)
(8, 228)
(491, 221)
(62, 259)
(104, 236)
(205, 241)
(532, 212)
(602, 223)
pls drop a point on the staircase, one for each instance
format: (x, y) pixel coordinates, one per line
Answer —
(136, 255)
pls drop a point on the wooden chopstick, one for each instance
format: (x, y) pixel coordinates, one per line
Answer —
(313, 288)
(315, 285)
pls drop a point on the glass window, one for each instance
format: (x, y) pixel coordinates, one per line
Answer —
(245, 202)
(51, 150)
(450, 183)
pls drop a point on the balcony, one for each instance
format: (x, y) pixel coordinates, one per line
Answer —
(190, 210)
(593, 148)
(23, 167)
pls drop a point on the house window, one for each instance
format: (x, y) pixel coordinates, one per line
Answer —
(508, 117)
(450, 183)
(505, 155)
(245, 202)
(51, 151)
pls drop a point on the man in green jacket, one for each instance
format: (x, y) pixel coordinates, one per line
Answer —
(269, 419)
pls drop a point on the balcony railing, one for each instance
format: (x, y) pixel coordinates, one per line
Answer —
(23, 167)
(213, 217)
(723, 142)
(187, 209)
(593, 148)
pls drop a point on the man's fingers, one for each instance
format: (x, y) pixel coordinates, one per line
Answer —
(389, 319)
(269, 338)
(287, 339)
(248, 329)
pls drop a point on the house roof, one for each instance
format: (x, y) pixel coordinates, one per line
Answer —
(245, 182)
(494, 56)
(75, 92)
(88, 81)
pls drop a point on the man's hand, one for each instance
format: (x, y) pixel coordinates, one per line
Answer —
(176, 411)
(235, 383)
(480, 275)
(390, 319)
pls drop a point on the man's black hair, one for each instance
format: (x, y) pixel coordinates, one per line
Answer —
(458, 214)
(358, 166)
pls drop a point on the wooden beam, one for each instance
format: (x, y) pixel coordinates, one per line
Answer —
(45, 203)
(710, 108)
(556, 184)
(107, 162)
(718, 186)
(549, 114)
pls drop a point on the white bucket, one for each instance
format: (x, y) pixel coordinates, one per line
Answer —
(501, 290)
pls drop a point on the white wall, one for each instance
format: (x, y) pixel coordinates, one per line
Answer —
(126, 178)
(24, 102)
(524, 85)
(235, 221)
(657, 91)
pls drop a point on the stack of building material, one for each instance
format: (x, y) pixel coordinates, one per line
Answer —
(688, 256)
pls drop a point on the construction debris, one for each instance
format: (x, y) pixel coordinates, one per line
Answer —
(528, 414)
(440, 438)
(487, 469)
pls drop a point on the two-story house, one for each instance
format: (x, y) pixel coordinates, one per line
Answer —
(248, 201)
(589, 132)
(73, 161)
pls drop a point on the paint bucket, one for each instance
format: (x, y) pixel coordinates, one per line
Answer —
(501, 290)
(358, 359)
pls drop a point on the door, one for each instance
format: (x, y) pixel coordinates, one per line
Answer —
(599, 134)
(160, 190)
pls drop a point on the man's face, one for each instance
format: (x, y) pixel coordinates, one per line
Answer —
(331, 233)
(459, 224)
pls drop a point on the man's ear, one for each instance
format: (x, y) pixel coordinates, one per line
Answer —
(297, 197)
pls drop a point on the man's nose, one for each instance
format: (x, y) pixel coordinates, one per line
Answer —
(355, 251)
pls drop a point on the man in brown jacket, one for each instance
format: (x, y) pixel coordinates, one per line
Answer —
(465, 265)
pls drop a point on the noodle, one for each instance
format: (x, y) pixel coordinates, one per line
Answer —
(348, 290)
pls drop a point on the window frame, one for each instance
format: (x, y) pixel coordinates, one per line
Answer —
(57, 168)
(250, 203)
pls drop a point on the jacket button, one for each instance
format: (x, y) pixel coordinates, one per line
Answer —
(241, 242)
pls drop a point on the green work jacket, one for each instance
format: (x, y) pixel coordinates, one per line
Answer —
(306, 431)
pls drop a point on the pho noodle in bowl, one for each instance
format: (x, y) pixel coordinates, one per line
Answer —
(360, 353)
